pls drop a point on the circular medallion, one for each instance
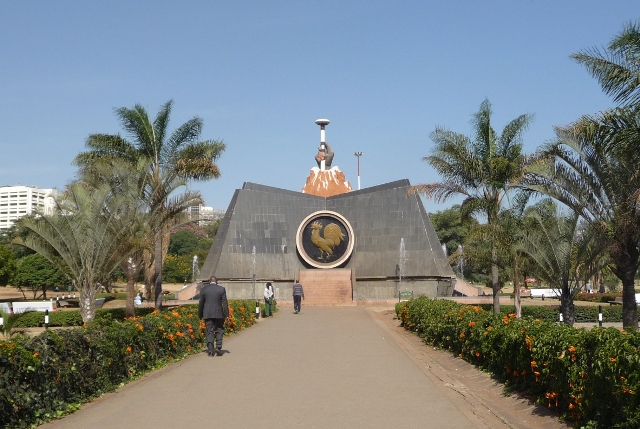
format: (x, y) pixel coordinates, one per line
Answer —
(325, 239)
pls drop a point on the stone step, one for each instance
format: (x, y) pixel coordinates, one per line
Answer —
(327, 287)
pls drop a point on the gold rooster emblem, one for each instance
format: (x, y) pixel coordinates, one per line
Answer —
(332, 237)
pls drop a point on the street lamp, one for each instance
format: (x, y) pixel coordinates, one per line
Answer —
(358, 154)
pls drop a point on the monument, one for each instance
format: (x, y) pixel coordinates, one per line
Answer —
(342, 244)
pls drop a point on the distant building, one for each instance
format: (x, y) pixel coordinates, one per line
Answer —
(18, 201)
(204, 215)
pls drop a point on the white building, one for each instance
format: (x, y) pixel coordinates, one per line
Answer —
(18, 201)
(204, 215)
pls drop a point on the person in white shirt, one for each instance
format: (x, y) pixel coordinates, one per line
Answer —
(268, 300)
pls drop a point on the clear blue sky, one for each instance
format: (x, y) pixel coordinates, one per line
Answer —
(260, 74)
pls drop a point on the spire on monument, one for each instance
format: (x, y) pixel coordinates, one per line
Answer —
(324, 180)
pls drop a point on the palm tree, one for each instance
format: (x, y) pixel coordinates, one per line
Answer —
(593, 167)
(138, 186)
(176, 156)
(553, 240)
(617, 68)
(84, 238)
(483, 170)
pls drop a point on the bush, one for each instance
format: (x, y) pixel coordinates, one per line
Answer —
(551, 313)
(598, 297)
(587, 375)
(49, 375)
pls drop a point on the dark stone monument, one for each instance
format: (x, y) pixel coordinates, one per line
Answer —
(344, 248)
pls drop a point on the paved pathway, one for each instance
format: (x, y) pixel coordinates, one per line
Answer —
(329, 367)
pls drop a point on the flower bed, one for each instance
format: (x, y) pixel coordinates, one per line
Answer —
(49, 375)
(586, 375)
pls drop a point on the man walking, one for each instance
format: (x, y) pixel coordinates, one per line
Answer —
(298, 295)
(214, 309)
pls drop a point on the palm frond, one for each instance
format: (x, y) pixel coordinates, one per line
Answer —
(617, 68)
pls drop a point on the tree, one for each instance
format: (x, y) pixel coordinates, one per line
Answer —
(452, 231)
(36, 273)
(593, 167)
(450, 227)
(483, 170)
(552, 239)
(171, 156)
(617, 68)
(7, 264)
(182, 243)
(85, 237)
(212, 228)
(178, 268)
(134, 187)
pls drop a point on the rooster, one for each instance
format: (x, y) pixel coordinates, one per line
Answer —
(332, 238)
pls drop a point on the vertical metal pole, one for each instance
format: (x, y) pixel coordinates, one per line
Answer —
(358, 155)
(600, 316)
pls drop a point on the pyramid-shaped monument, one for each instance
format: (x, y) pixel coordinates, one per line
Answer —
(345, 246)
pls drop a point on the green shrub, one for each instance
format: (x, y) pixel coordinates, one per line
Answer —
(597, 297)
(587, 375)
(551, 313)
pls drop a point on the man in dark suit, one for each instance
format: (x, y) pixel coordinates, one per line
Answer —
(214, 309)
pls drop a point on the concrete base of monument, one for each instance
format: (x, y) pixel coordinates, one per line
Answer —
(335, 287)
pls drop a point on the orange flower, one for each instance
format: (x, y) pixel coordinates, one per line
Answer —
(462, 335)
(533, 365)
(571, 406)
(537, 373)
(160, 328)
(36, 354)
(538, 320)
(129, 349)
(478, 355)
(612, 359)
(139, 326)
(572, 349)
(490, 328)
(472, 324)
(511, 315)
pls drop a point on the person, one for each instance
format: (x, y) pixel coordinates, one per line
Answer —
(214, 309)
(138, 299)
(298, 295)
(268, 299)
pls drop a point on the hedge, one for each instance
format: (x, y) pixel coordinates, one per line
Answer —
(589, 376)
(551, 313)
(52, 374)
